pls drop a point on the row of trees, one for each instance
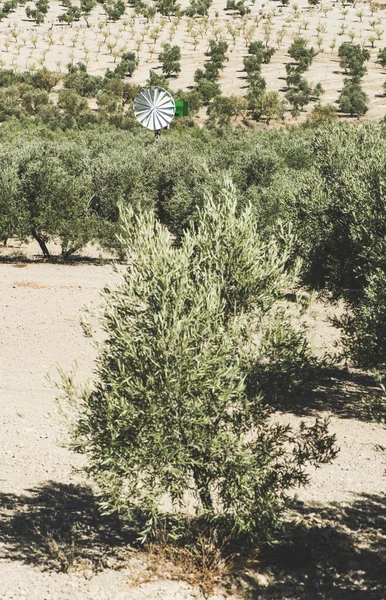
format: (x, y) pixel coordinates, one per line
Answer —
(114, 95)
(114, 9)
(299, 91)
(353, 100)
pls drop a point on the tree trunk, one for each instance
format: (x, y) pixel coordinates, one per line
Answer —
(202, 485)
(67, 253)
(41, 243)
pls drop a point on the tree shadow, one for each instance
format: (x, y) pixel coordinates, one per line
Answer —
(344, 392)
(341, 391)
(59, 526)
(19, 259)
(335, 552)
(326, 553)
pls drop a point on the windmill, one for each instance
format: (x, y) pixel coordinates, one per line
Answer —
(154, 108)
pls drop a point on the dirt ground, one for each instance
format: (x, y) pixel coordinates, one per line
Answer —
(333, 549)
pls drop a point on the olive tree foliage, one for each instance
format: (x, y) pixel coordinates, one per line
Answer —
(300, 92)
(175, 408)
(62, 191)
(340, 219)
(352, 59)
(170, 58)
(12, 215)
(353, 99)
(198, 7)
(55, 190)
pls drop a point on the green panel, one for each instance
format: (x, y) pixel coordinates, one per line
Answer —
(182, 108)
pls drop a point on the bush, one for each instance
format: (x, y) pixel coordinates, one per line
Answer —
(322, 115)
(223, 108)
(175, 409)
(126, 67)
(79, 80)
(114, 10)
(302, 55)
(382, 57)
(73, 13)
(167, 7)
(352, 58)
(364, 328)
(261, 52)
(339, 209)
(353, 100)
(208, 90)
(170, 58)
(198, 7)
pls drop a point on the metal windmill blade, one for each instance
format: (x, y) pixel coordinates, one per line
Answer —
(154, 108)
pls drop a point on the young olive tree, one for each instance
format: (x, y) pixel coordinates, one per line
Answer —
(170, 58)
(175, 409)
(352, 99)
(352, 59)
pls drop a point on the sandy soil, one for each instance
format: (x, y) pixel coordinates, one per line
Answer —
(340, 518)
(99, 45)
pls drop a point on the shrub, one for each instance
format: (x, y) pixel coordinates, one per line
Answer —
(223, 108)
(114, 10)
(208, 90)
(352, 58)
(54, 192)
(364, 328)
(73, 13)
(239, 6)
(79, 80)
(167, 7)
(126, 67)
(170, 58)
(269, 105)
(193, 98)
(300, 92)
(156, 80)
(302, 55)
(39, 12)
(261, 52)
(321, 115)
(174, 409)
(339, 209)
(198, 7)
(382, 57)
(217, 52)
(353, 100)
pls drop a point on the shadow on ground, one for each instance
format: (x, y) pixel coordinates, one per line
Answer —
(336, 552)
(23, 260)
(341, 391)
(326, 553)
(58, 526)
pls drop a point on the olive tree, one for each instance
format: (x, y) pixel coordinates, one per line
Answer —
(170, 58)
(353, 100)
(55, 191)
(175, 408)
(13, 217)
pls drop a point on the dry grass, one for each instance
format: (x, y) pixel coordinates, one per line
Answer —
(35, 285)
(203, 564)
